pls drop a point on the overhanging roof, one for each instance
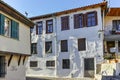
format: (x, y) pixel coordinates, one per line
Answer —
(113, 12)
(5, 8)
(103, 5)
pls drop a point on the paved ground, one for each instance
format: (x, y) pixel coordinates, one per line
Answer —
(103, 78)
(31, 78)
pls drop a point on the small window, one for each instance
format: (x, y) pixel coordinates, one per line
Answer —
(81, 44)
(48, 47)
(89, 63)
(66, 64)
(50, 63)
(33, 64)
(78, 21)
(9, 27)
(49, 26)
(91, 19)
(39, 28)
(64, 46)
(2, 66)
(116, 25)
(34, 48)
(65, 23)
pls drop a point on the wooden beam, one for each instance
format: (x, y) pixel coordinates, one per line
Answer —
(19, 60)
(9, 60)
(24, 60)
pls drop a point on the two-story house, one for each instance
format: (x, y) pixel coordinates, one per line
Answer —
(67, 43)
(14, 43)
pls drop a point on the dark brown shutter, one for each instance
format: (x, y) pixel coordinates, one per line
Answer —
(96, 18)
(36, 28)
(81, 44)
(85, 20)
(65, 23)
(64, 46)
(76, 21)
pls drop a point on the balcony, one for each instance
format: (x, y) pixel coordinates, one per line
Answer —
(111, 34)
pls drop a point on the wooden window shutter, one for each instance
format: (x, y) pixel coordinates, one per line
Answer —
(14, 29)
(76, 21)
(85, 20)
(2, 19)
(96, 18)
(36, 28)
(81, 44)
(65, 23)
(62, 23)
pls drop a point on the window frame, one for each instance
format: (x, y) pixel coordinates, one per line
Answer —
(48, 44)
(78, 21)
(50, 64)
(33, 47)
(80, 44)
(64, 45)
(65, 23)
(39, 27)
(35, 64)
(3, 67)
(66, 64)
(47, 26)
(92, 23)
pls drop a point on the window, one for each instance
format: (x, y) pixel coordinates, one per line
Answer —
(34, 48)
(9, 27)
(91, 19)
(89, 63)
(39, 27)
(65, 23)
(81, 44)
(48, 47)
(49, 26)
(78, 21)
(33, 64)
(116, 25)
(50, 63)
(64, 46)
(2, 66)
(66, 64)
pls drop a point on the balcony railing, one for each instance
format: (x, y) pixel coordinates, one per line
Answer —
(110, 30)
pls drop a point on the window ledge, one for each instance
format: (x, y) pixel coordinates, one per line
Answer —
(50, 67)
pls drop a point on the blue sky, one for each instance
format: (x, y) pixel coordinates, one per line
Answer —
(40, 7)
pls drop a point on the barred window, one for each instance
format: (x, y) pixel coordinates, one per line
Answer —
(50, 63)
(33, 64)
(66, 64)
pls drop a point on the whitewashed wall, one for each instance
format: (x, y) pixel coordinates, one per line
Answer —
(17, 46)
(94, 47)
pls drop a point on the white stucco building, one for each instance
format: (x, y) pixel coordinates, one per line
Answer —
(14, 43)
(68, 43)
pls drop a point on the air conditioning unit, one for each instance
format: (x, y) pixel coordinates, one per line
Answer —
(113, 49)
